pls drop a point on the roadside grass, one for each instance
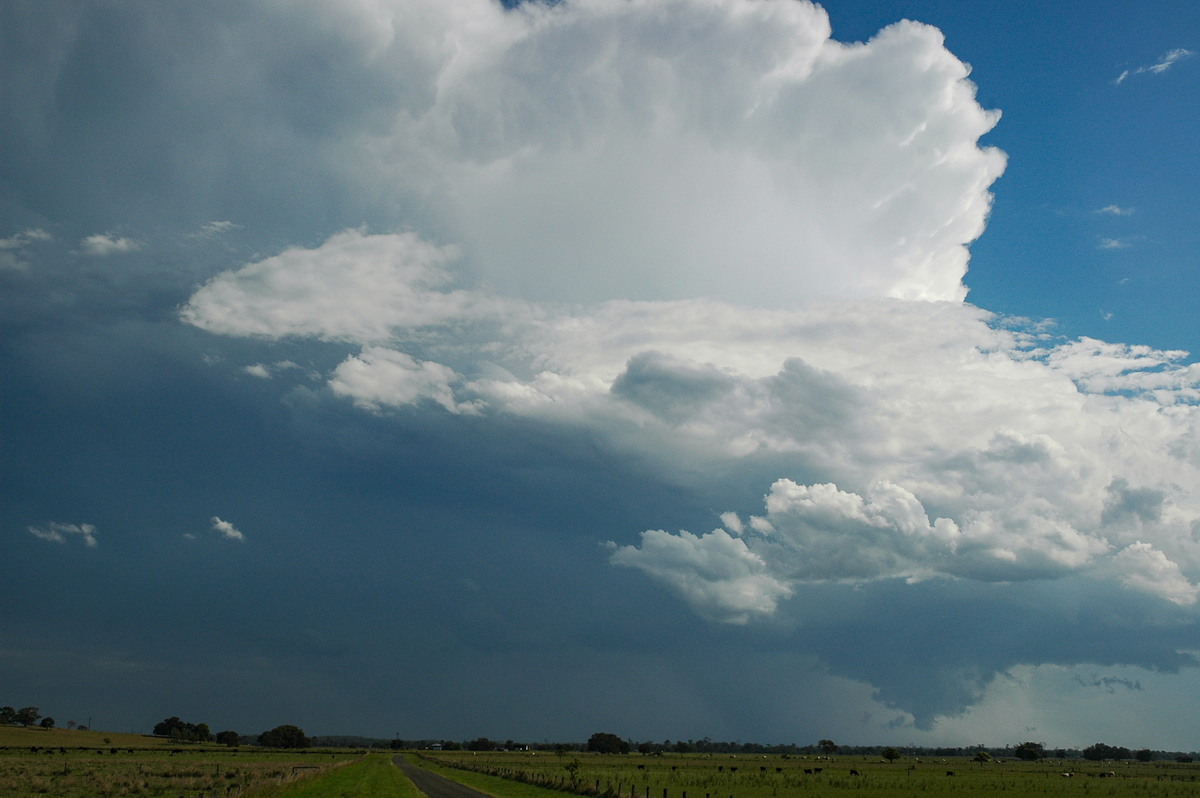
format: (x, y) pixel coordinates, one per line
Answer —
(746, 776)
(60, 763)
(374, 776)
(497, 786)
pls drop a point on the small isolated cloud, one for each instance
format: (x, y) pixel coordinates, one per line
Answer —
(13, 247)
(227, 530)
(105, 244)
(214, 229)
(1165, 62)
(381, 376)
(61, 533)
(266, 371)
(1114, 243)
(1116, 210)
(258, 370)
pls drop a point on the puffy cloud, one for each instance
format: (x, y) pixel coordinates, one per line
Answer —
(716, 573)
(380, 376)
(353, 287)
(105, 244)
(60, 533)
(674, 113)
(1143, 567)
(227, 530)
(1103, 367)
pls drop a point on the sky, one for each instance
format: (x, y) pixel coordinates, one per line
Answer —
(744, 369)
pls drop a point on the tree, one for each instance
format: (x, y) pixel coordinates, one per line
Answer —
(1144, 755)
(229, 738)
(890, 754)
(47, 723)
(27, 716)
(480, 744)
(605, 743)
(8, 715)
(982, 756)
(286, 736)
(1100, 751)
(176, 729)
(828, 747)
(166, 727)
(1029, 752)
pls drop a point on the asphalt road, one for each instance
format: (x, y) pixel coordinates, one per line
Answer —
(433, 785)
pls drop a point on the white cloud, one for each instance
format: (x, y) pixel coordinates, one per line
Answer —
(60, 533)
(353, 287)
(1116, 210)
(380, 376)
(1142, 567)
(214, 229)
(707, 134)
(227, 530)
(258, 370)
(105, 244)
(1114, 243)
(1165, 62)
(716, 573)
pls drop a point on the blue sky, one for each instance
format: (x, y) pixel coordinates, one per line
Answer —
(750, 370)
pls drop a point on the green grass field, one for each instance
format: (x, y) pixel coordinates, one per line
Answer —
(720, 776)
(61, 763)
(373, 776)
(72, 764)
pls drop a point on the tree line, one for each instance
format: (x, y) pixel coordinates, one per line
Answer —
(285, 736)
(25, 716)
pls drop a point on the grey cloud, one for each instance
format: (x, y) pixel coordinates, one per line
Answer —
(669, 387)
(1125, 503)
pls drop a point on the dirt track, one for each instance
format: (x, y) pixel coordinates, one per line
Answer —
(433, 785)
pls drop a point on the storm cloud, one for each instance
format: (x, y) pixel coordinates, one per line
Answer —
(654, 308)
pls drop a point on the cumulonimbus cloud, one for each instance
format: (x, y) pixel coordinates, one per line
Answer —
(627, 213)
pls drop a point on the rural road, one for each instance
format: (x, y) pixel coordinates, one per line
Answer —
(433, 785)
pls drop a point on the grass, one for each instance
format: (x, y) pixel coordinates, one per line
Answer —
(374, 776)
(68, 763)
(718, 776)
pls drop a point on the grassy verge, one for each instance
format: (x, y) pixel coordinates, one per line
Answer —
(373, 776)
(492, 785)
